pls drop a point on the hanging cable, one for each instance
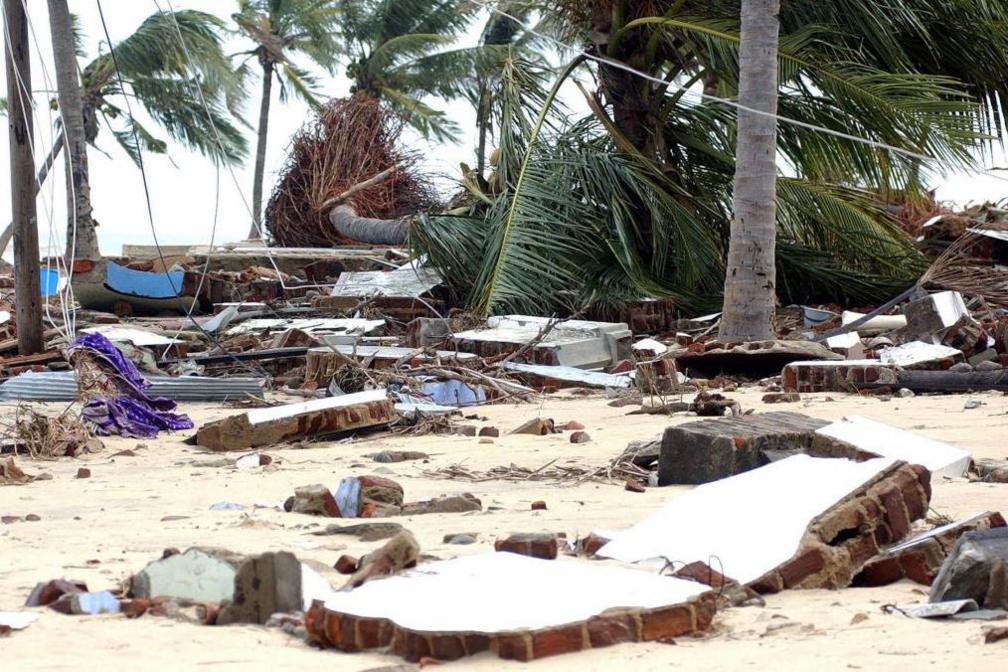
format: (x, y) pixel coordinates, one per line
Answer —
(150, 211)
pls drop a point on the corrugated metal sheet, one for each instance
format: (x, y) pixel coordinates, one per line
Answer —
(61, 386)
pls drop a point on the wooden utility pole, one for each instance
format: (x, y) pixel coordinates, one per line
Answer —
(27, 292)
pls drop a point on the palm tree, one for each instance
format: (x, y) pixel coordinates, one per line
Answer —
(158, 74)
(398, 53)
(749, 292)
(81, 239)
(280, 29)
(636, 199)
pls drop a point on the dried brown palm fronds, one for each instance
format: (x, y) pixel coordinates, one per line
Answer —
(955, 270)
(616, 471)
(50, 437)
(350, 141)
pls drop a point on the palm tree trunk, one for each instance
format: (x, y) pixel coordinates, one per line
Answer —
(368, 229)
(82, 241)
(43, 173)
(260, 163)
(750, 281)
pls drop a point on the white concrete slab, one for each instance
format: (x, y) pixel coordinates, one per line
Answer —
(917, 352)
(941, 459)
(748, 524)
(269, 414)
(499, 592)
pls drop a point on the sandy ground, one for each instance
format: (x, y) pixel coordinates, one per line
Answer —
(105, 528)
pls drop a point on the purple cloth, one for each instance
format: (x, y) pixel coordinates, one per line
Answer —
(133, 413)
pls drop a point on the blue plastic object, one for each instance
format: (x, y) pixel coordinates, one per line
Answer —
(49, 281)
(141, 283)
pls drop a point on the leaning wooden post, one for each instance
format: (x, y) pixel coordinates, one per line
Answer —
(27, 292)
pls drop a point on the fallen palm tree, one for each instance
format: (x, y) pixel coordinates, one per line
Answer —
(348, 159)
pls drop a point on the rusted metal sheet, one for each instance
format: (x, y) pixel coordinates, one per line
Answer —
(309, 419)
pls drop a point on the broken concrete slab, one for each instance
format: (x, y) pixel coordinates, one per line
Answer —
(976, 569)
(920, 558)
(540, 608)
(920, 355)
(398, 553)
(847, 345)
(757, 358)
(364, 531)
(800, 522)
(307, 419)
(576, 343)
(200, 574)
(540, 376)
(707, 450)
(876, 438)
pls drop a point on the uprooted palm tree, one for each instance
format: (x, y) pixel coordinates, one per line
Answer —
(159, 75)
(283, 30)
(636, 199)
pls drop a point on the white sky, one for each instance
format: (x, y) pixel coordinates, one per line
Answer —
(182, 185)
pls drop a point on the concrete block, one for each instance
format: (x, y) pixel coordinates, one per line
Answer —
(976, 569)
(308, 419)
(708, 450)
(263, 585)
(929, 317)
(199, 574)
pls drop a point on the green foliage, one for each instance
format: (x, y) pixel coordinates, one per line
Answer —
(401, 52)
(636, 201)
(283, 30)
(159, 74)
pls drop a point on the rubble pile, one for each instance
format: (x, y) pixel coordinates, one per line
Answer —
(291, 349)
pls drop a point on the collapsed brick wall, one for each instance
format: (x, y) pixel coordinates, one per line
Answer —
(922, 561)
(351, 633)
(840, 542)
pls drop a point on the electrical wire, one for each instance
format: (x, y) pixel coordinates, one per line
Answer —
(150, 211)
(26, 96)
(703, 96)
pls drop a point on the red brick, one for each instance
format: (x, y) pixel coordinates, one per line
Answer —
(917, 568)
(447, 646)
(566, 639)
(410, 645)
(705, 608)
(924, 478)
(476, 643)
(879, 573)
(806, 563)
(896, 514)
(614, 629)
(768, 583)
(861, 550)
(346, 564)
(702, 573)
(513, 647)
(373, 633)
(666, 623)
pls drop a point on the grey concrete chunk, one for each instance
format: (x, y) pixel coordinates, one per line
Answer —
(708, 450)
(199, 574)
(977, 569)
